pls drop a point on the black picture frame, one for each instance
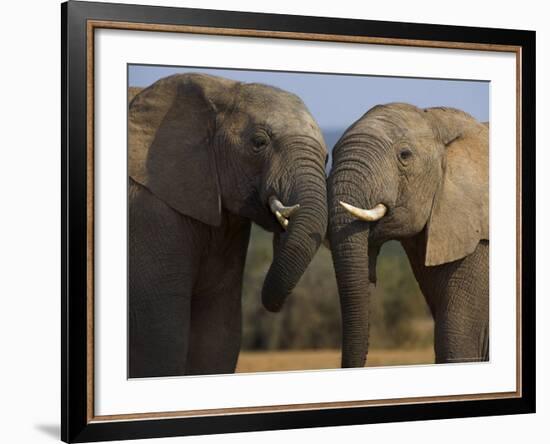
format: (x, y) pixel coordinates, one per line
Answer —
(76, 423)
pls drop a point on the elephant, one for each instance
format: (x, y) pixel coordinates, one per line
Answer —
(421, 177)
(208, 156)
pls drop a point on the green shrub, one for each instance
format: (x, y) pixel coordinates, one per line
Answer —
(310, 318)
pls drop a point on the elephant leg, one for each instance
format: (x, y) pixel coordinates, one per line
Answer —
(462, 316)
(216, 320)
(215, 338)
(456, 341)
(161, 277)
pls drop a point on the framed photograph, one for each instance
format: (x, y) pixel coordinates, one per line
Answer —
(275, 221)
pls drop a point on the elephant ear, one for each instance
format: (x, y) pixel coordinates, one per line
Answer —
(460, 212)
(170, 125)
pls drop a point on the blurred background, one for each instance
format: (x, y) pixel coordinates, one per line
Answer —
(306, 333)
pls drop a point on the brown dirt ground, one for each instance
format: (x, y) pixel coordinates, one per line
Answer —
(325, 359)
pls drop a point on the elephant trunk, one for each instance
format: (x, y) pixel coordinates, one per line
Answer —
(353, 180)
(294, 249)
(349, 246)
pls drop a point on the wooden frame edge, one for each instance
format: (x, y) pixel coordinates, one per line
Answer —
(301, 407)
(519, 218)
(90, 128)
(236, 32)
(91, 25)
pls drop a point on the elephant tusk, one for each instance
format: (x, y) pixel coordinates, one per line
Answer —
(276, 205)
(282, 212)
(283, 221)
(371, 215)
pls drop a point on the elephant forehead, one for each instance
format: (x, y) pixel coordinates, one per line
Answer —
(297, 121)
(395, 116)
(394, 127)
(281, 123)
(264, 98)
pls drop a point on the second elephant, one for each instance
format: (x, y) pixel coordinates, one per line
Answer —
(419, 176)
(208, 156)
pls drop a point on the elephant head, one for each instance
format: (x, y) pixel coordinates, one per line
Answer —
(402, 172)
(207, 145)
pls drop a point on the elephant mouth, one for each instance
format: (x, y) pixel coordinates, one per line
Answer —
(282, 212)
(257, 210)
(379, 219)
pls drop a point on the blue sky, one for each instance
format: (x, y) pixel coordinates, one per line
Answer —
(337, 100)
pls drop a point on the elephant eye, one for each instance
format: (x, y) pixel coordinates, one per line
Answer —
(405, 154)
(260, 141)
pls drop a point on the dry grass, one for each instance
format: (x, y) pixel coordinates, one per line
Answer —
(325, 359)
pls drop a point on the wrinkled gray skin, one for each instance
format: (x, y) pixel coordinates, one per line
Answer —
(205, 155)
(429, 167)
